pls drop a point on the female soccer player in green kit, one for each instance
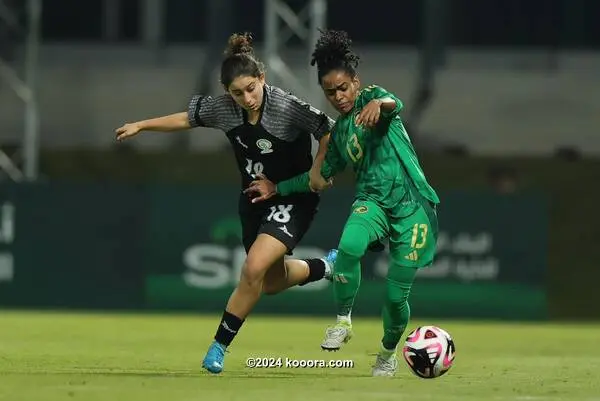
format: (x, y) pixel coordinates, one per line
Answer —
(393, 199)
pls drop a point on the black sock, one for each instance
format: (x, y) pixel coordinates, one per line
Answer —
(316, 270)
(228, 328)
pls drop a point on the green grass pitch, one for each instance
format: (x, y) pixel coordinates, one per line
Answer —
(93, 357)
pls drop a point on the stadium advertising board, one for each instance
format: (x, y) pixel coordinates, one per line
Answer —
(178, 247)
(490, 260)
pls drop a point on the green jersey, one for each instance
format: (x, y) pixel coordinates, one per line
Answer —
(383, 159)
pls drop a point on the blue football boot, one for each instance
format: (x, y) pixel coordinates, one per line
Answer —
(213, 361)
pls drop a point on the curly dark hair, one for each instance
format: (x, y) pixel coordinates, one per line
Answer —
(240, 59)
(239, 43)
(333, 51)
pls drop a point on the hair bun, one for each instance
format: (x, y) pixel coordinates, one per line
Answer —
(334, 47)
(239, 44)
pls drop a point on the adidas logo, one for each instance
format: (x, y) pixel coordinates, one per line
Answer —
(414, 256)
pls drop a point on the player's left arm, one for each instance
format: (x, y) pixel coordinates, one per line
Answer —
(379, 103)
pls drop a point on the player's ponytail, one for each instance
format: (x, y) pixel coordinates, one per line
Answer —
(333, 51)
(240, 59)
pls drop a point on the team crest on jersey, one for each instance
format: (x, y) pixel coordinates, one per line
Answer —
(361, 209)
(264, 145)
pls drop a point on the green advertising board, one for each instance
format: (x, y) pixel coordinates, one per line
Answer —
(491, 258)
(177, 247)
(71, 245)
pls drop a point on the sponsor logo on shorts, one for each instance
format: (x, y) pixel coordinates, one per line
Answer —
(285, 230)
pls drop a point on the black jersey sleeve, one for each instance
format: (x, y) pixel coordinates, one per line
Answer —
(317, 123)
(218, 112)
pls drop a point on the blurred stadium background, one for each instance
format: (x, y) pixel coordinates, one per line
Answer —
(502, 100)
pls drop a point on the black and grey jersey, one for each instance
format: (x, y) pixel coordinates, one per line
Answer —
(278, 145)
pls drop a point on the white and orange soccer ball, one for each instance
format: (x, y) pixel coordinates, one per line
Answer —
(429, 352)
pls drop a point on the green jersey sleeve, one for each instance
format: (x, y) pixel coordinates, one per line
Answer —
(333, 164)
(299, 183)
(377, 92)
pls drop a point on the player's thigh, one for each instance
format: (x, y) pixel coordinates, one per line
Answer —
(413, 238)
(366, 224)
(288, 221)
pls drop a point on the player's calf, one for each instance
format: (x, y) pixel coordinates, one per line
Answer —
(291, 272)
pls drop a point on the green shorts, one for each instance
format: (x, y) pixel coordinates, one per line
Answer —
(412, 237)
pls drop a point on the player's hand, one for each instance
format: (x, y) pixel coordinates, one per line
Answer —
(316, 181)
(369, 115)
(264, 187)
(127, 131)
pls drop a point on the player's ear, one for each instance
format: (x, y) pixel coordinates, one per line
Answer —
(356, 83)
(261, 78)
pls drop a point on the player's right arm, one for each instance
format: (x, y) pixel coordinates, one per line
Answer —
(172, 122)
(202, 112)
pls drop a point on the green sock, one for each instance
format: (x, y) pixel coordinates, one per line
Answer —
(396, 310)
(346, 282)
(347, 276)
(387, 353)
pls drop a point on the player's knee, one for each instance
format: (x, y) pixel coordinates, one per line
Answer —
(253, 272)
(354, 241)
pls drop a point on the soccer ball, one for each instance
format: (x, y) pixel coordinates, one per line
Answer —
(429, 352)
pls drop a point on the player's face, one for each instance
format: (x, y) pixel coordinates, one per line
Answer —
(247, 91)
(340, 89)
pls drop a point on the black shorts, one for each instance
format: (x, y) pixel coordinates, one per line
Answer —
(286, 218)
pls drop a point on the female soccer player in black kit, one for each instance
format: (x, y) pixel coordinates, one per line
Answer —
(270, 132)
